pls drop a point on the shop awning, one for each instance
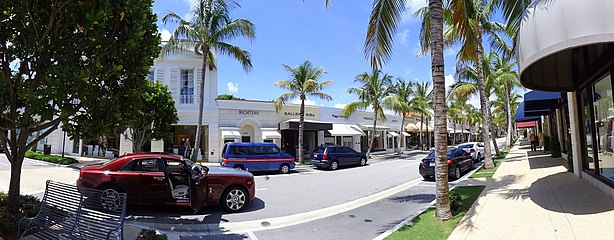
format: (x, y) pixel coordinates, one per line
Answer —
(418, 126)
(520, 115)
(406, 134)
(411, 127)
(269, 134)
(340, 129)
(539, 103)
(230, 134)
(292, 124)
(369, 127)
(525, 124)
(393, 134)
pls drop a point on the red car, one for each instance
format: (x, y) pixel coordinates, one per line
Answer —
(150, 178)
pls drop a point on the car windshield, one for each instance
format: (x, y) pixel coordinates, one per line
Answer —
(450, 152)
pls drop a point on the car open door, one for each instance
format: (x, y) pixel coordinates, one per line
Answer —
(198, 187)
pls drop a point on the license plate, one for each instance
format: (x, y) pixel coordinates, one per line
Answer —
(315, 155)
(432, 164)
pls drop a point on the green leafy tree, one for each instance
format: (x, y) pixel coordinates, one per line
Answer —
(226, 96)
(68, 63)
(153, 117)
(208, 32)
(303, 83)
(375, 91)
(422, 103)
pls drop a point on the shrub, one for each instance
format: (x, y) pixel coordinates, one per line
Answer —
(50, 158)
(456, 200)
(152, 235)
(29, 206)
(555, 147)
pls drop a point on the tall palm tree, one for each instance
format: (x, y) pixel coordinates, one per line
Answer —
(403, 103)
(303, 83)
(375, 91)
(384, 20)
(422, 103)
(454, 112)
(505, 82)
(205, 34)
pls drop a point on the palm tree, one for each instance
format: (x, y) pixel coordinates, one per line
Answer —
(303, 83)
(384, 20)
(505, 82)
(204, 34)
(402, 104)
(421, 103)
(474, 117)
(376, 92)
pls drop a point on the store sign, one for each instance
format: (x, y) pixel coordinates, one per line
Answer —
(337, 115)
(249, 112)
(298, 114)
(371, 119)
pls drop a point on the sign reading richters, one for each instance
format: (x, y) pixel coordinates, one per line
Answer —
(248, 112)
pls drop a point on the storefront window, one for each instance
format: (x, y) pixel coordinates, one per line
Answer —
(604, 114)
(586, 116)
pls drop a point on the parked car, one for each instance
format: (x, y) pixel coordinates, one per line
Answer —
(256, 157)
(150, 178)
(476, 149)
(459, 161)
(332, 157)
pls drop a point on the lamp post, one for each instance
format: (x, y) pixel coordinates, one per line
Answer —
(63, 144)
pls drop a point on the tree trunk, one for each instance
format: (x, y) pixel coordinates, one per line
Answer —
(510, 130)
(301, 126)
(484, 103)
(494, 142)
(14, 185)
(454, 133)
(428, 135)
(421, 132)
(201, 105)
(401, 136)
(372, 135)
(442, 211)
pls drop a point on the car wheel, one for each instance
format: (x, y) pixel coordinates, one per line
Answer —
(284, 168)
(479, 157)
(457, 173)
(234, 199)
(334, 165)
(363, 161)
(110, 198)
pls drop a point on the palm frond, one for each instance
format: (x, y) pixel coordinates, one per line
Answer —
(383, 23)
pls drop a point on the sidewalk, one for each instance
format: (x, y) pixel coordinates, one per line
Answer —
(532, 196)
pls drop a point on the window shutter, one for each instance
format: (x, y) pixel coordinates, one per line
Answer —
(174, 84)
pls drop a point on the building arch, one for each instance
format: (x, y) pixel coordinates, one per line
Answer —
(250, 129)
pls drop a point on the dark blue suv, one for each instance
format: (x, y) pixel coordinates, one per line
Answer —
(332, 157)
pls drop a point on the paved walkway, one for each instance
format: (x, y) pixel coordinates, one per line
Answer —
(532, 196)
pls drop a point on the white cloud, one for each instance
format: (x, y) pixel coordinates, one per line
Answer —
(475, 101)
(449, 81)
(165, 34)
(403, 36)
(232, 87)
(340, 105)
(411, 7)
(408, 71)
(307, 102)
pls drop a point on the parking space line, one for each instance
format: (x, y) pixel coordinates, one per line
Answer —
(261, 189)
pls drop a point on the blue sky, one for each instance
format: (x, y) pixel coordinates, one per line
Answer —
(292, 31)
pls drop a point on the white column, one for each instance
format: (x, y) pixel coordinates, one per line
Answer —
(81, 146)
(157, 145)
(575, 125)
(560, 126)
(321, 138)
(125, 144)
(213, 153)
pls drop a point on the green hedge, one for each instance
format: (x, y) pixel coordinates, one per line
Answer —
(50, 158)
(8, 222)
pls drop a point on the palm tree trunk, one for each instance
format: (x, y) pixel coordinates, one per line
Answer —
(401, 136)
(428, 135)
(454, 133)
(484, 104)
(201, 105)
(510, 130)
(301, 128)
(442, 204)
(373, 132)
(421, 132)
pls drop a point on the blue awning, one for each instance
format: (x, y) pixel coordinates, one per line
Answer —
(520, 115)
(541, 102)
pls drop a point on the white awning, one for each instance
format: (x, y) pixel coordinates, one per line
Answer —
(377, 128)
(405, 134)
(394, 134)
(269, 134)
(345, 130)
(230, 134)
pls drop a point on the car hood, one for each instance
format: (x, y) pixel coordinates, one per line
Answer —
(228, 171)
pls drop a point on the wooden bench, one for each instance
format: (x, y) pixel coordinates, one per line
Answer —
(67, 212)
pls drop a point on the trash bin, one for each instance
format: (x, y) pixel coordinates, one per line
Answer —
(47, 149)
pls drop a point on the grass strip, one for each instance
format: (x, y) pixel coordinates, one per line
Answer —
(50, 158)
(425, 226)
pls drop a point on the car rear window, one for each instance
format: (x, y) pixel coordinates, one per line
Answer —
(466, 146)
(319, 150)
(450, 152)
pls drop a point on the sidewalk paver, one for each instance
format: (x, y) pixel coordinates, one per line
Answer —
(532, 196)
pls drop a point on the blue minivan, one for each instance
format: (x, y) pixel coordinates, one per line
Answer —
(256, 157)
